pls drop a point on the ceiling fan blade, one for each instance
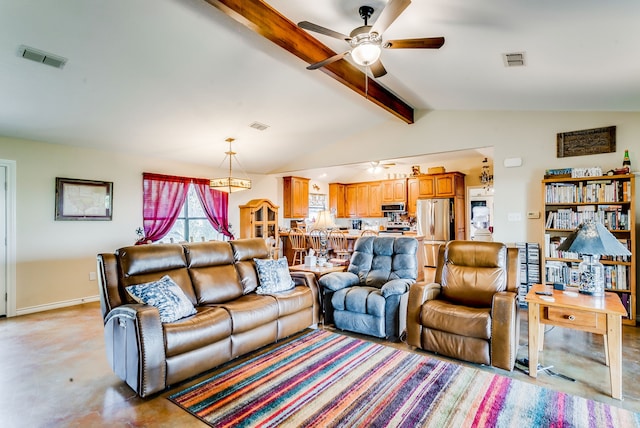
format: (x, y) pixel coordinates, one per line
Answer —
(329, 60)
(377, 69)
(389, 14)
(322, 30)
(424, 43)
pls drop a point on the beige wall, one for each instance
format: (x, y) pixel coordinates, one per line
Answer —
(54, 258)
(530, 136)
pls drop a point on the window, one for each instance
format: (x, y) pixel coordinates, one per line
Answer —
(317, 203)
(165, 200)
(192, 223)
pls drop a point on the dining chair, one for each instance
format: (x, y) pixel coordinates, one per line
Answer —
(298, 245)
(339, 244)
(368, 232)
(315, 238)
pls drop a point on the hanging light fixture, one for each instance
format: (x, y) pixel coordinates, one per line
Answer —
(230, 184)
(485, 177)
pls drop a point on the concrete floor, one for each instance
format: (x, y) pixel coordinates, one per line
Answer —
(54, 372)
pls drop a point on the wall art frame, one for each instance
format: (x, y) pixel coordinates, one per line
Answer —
(78, 199)
(586, 142)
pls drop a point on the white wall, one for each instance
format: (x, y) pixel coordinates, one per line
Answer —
(54, 258)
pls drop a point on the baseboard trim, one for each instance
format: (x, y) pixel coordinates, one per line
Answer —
(56, 305)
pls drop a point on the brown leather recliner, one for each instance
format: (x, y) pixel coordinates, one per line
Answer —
(471, 310)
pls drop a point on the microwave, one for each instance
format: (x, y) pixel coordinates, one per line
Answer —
(393, 208)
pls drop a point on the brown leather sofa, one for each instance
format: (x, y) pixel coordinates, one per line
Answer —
(470, 312)
(220, 280)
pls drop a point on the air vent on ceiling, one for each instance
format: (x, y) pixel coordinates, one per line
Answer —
(42, 57)
(515, 59)
(259, 126)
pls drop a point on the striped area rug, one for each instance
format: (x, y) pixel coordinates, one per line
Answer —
(322, 379)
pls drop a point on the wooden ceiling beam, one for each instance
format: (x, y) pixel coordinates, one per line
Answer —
(268, 22)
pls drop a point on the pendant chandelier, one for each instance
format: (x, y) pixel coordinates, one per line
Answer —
(485, 177)
(230, 184)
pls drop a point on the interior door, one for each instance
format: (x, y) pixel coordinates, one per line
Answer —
(3, 240)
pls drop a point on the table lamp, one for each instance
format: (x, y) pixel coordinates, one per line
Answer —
(592, 240)
(323, 223)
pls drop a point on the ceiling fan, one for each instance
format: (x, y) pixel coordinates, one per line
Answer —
(377, 166)
(366, 41)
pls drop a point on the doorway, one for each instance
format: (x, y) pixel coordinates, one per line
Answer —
(7, 237)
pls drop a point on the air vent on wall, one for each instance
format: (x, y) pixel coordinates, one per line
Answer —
(42, 57)
(515, 59)
(259, 126)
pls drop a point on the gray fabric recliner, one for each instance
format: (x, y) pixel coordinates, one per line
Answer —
(371, 296)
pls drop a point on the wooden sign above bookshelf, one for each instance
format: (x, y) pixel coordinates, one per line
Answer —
(586, 142)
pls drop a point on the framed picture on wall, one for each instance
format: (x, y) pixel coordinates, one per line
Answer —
(83, 199)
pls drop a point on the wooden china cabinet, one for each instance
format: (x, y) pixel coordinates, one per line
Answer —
(259, 219)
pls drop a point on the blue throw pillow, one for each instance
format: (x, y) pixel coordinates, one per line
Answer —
(165, 295)
(273, 275)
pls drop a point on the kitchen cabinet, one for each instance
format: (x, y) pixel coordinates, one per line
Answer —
(338, 200)
(444, 185)
(394, 191)
(362, 200)
(351, 200)
(375, 199)
(259, 219)
(295, 197)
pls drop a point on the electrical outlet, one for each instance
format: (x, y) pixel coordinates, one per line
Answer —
(533, 214)
(92, 276)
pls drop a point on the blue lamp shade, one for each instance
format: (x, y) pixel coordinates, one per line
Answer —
(592, 240)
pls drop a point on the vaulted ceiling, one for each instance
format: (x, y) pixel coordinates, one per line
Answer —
(177, 77)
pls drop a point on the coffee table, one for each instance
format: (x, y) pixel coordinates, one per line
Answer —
(569, 309)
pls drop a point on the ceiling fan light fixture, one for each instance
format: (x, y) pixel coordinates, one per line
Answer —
(366, 53)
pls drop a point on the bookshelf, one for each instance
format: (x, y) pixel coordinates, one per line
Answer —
(606, 199)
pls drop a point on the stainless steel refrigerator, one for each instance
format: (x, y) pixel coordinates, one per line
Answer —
(435, 223)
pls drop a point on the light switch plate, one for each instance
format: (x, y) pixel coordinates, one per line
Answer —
(533, 214)
(514, 217)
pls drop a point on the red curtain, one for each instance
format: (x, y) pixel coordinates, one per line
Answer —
(216, 206)
(163, 197)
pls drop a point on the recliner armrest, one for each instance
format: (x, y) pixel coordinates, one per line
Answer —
(419, 293)
(338, 280)
(395, 286)
(134, 340)
(505, 329)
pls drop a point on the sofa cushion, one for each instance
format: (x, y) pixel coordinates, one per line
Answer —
(295, 300)
(456, 319)
(138, 264)
(165, 295)
(244, 251)
(208, 326)
(472, 274)
(214, 277)
(273, 275)
(251, 311)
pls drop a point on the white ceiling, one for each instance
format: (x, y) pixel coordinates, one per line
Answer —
(175, 78)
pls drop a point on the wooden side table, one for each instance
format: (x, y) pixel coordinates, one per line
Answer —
(569, 309)
(316, 270)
